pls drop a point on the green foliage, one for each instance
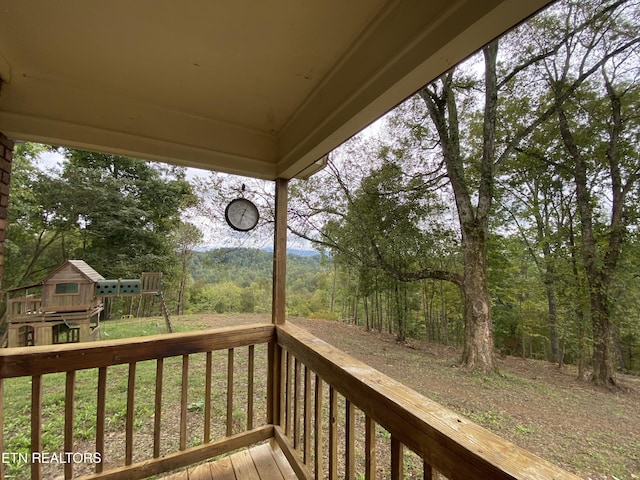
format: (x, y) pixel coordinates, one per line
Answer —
(116, 213)
(239, 280)
(125, 210)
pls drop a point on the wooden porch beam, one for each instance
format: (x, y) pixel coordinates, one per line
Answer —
(278, 307)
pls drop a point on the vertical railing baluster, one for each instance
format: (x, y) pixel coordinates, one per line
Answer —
(350, 441)
(229, 430)
(184, 394)
(287, 395)
(397, 460)
(36, 423)
(100, 415)
(283, 383)
(369, 448)
(250, 368)
(428, 471)
(131, 388)
(207, 398)
(333, 434)
(274, 384)
(157, 411)
(69, 396)
(318, 429)
(306, 455)
(296, 404)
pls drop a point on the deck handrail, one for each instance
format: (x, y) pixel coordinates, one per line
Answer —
(446, 441)
(40, 360)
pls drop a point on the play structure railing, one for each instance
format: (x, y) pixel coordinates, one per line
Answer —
(23, 307)
(333, 416)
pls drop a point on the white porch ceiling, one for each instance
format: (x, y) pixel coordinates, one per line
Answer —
(256, 88)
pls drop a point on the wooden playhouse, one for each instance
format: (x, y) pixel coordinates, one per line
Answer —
(62, 308)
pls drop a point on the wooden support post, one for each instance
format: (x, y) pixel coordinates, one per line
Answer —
(333, 433)
(184, 402)
(280, 253)
(318, 454)
(397, 460)
(278, 310)
(207, 397)
(350, 441)
(306, 452)
(230, 363)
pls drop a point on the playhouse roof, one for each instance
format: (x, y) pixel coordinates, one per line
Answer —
(79, 265)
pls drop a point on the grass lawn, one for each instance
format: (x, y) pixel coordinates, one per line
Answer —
(588, 431)
(17, 405)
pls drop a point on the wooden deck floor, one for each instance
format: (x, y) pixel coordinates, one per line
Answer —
(262, 462)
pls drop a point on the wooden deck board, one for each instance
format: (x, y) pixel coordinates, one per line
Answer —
(262, 462)
(243, 466)
(282, 463)
(265, 463)
(201, 472)
(222, 469)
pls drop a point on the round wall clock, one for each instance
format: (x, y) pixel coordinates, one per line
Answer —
(241, 214)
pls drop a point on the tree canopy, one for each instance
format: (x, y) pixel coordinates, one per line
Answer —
(537, 146)
(116, 213)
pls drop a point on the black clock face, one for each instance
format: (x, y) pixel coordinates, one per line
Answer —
(241, 214)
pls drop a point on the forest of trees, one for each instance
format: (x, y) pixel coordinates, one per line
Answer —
(239, 280)
(526, 155)
(496, 210)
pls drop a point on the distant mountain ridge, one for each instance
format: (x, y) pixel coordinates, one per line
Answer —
(294, 251)
(290, 251)
(245, 265)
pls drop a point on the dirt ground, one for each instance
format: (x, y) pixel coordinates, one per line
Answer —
(591, 432)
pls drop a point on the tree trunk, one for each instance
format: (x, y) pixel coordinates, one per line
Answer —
(365, 305)
(552, 305)
(474, 219)
(596, 269)
(479, 345)
(333, 287)
(603, 369)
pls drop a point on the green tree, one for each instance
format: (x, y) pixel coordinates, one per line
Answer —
(599, 132)
(125, 210)
(187, 238)
(116, 213)
(39, 230)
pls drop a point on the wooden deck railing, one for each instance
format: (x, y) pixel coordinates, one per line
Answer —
(333, 416)
(316, 374)
(101, 357)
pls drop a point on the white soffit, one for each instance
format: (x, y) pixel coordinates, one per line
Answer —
(261, 89)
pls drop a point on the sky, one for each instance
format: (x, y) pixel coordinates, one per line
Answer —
(216, 234)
